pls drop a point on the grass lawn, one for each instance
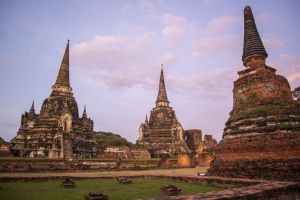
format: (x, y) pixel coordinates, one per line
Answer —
(140, 188)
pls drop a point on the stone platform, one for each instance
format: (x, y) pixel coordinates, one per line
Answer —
(259, 156)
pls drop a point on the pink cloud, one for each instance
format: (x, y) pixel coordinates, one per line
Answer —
(218, 38)
(148, 8)
(173, 33)
(272, 43)
(222, 24)
(294, 77)
(119, 61)
(173, 19)
(289, 66)
(262, 18)
(169, 59)
(175, 28)
(126, 61)
(215, 45)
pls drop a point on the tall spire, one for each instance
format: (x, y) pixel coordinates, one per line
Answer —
(146, 120)
(63, 74)
(32, 111)
(84, 115)
(62, 82)
(253, 45)
(162, 99)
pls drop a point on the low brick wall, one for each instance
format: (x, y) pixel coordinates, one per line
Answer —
(245, 189)
(40, 165)
(31, 165)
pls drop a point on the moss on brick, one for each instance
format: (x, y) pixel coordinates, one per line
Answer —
(287, 126)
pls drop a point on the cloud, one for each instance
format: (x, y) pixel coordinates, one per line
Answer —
(169, 59)
(148, 8)
(294, 77)
(289, 65)
(222, 24)
(171, 19)
(127, 61)
(215, 45)
(174, 29)
(218, 38)
(173, 33)
(130, 59)
(272, 42)
(262, 18)
(205, 84)
(118, 61)
(278, 42)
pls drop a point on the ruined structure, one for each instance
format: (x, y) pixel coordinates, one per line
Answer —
(139, 152)
(296, 94)
(4, 148)
(162, 134)
(201, 149)
(116, 152)
(193, 139)
(57, 131)
(262, 135)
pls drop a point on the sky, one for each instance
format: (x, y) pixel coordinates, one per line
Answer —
(116, 51)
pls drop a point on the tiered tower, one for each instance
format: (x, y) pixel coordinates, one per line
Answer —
(262, 135)
(57, 132)
(162, 135)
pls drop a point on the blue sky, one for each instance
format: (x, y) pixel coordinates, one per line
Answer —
(116, 48)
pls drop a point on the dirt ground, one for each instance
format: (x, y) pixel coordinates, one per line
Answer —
(180, 171)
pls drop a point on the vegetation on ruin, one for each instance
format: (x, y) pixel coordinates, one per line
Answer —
(252, 99)
(105, 139)
(287, 126)
(261, 110)
(258, 111)
(140, 188)
(248, 110)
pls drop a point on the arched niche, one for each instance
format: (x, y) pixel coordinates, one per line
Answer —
(66, 122)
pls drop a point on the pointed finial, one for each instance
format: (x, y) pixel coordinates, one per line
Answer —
(32, 111)
(63, 76)
(84, 115)
(253, 45)
(146, 120)
(162, 99)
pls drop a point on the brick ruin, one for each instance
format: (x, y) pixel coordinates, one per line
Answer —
(262, 135)
(202, 150)
(4, 148)
(116, 152)
(57, 131)
(296, 94)
(162, 135)
(195, 143)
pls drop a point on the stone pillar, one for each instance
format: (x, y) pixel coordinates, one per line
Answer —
(67, 146)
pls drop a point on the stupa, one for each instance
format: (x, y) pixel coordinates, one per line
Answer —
(162, 135)
(57, 131)
(261, 138)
